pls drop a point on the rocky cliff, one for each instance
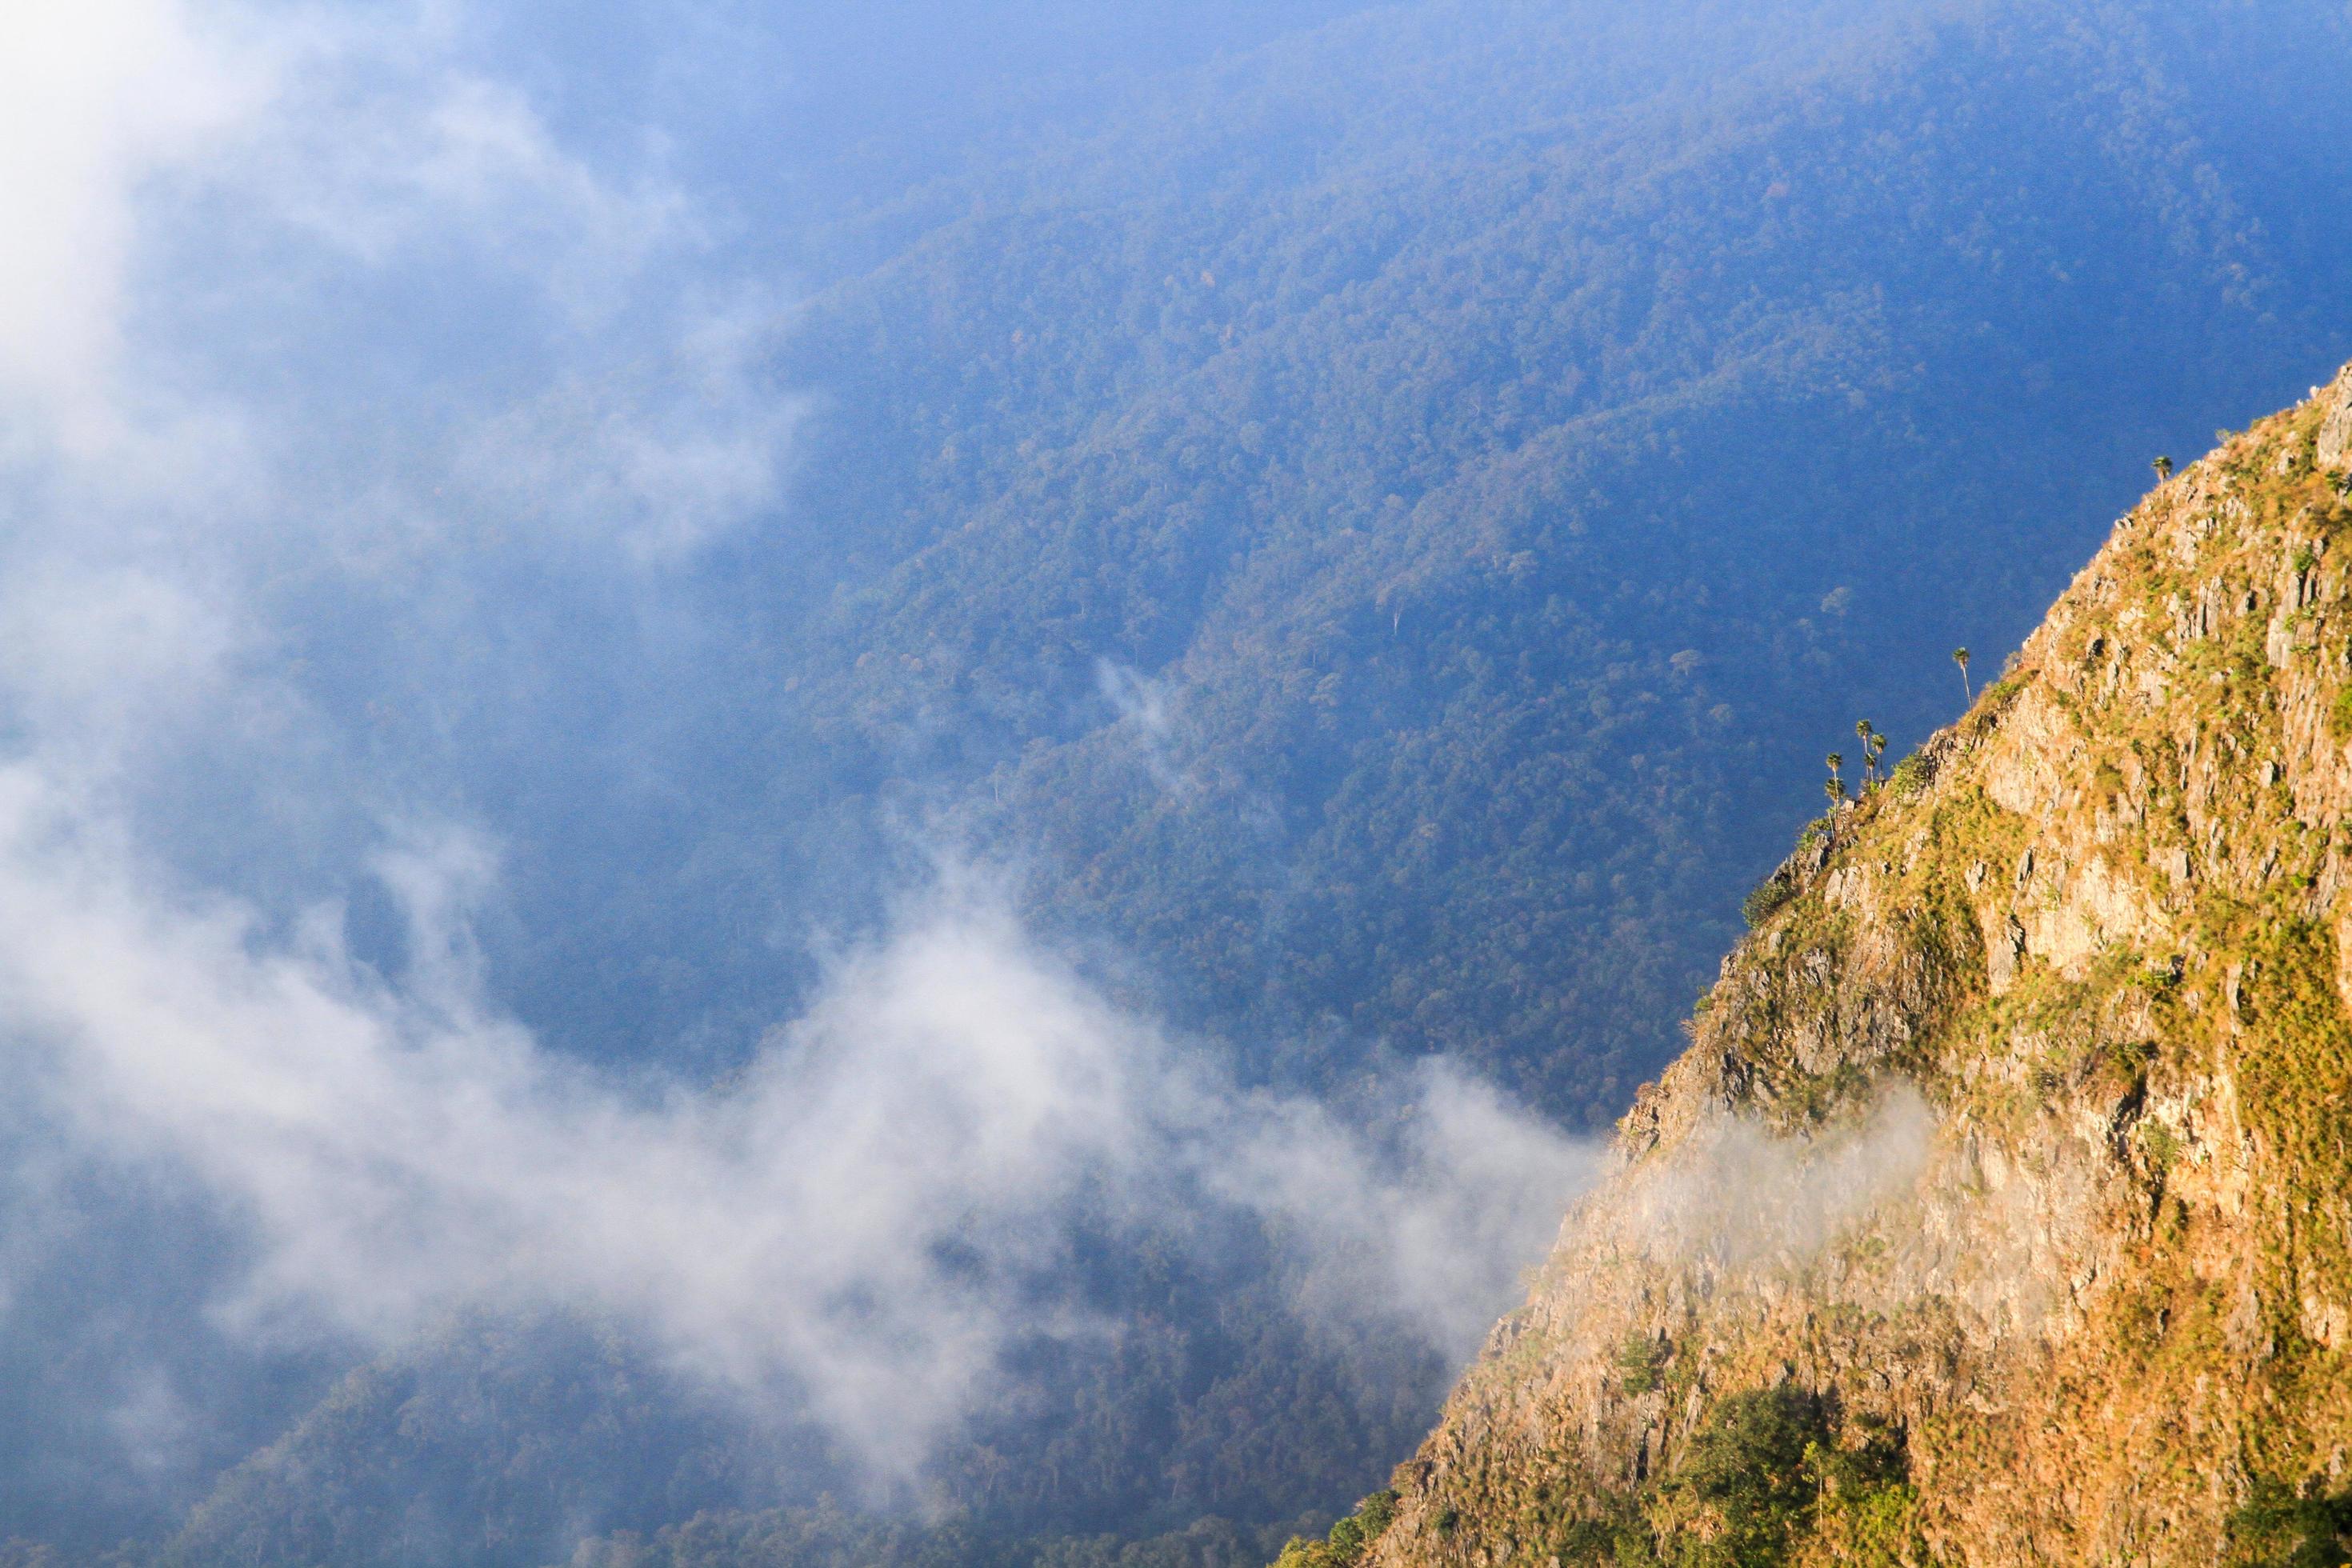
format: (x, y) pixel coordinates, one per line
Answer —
(2001, 1210)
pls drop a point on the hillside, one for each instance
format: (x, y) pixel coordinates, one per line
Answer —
(1377, 535)
(1368, 524)
(1997, 1212)
(1379, 532)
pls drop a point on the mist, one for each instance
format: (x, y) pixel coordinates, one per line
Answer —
(851, 1229)
(960, 728)
(372, 436)
(1736, 1194)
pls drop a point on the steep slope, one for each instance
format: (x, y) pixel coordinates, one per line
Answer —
(2001, 1210)
(1343, 531)
(1340, 529)
(1369, 536)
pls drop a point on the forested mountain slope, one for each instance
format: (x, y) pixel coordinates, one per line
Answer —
(1381, 532)
(1997, 1213)
(1376, 532)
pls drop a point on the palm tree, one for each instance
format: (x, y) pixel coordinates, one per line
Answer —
(1872, 744)
(1960, 657)
(1835, 786)
(2163, 467)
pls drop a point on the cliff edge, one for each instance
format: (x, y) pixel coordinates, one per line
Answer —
(2001, 1210)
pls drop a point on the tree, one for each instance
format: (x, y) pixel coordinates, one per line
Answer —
(2278, 1527)
(1741, 1494)
(1873, 746)
(1960, 657)
(1835, 786)
(2163, 467)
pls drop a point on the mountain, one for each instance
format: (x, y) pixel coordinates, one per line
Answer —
(1378, 529)
(1374, 528)
(1997, 1211)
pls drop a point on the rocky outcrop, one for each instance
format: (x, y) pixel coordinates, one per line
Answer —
(2009, 1155)
(2332, 446)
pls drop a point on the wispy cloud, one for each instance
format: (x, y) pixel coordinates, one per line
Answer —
(317, 341)
(96, 102)
(304, 302)
(1737, 1193)
(859, 1222)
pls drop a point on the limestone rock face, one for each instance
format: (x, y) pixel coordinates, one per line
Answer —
(2014, 1152)
(2333, 446)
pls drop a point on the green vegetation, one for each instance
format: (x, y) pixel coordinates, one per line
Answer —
(1766, 898)
(2278, 1527)
(1909, 777)
(1639, 1361)
(1348, 1539)
(2339, 716)
(1772, 1478)
(1874, 746)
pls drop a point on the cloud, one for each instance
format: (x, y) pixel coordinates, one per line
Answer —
(856, 1225)
(656, 459)
(107, 653)
(310, 319)
(140, 132)
(1739, 1195)
(329, 365)
(1428, 1226)
(1147, 712)
(1135, 697)
(386, 142)
(97, 99)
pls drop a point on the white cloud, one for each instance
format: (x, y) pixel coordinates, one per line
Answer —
(385, 143)
(230, 224)
(97, 99)
(860, 1221)
(214, 447)
(182, 179)
(658, 459)
(1738, 1192)
(1429, 1228)
(107, 653)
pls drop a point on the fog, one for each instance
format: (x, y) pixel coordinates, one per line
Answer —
(1738, 1195)
(868, 702)
(368, 427)
(860, 1220)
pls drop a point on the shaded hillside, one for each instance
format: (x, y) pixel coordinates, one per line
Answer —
(1381, 533)
(1997, 1213)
